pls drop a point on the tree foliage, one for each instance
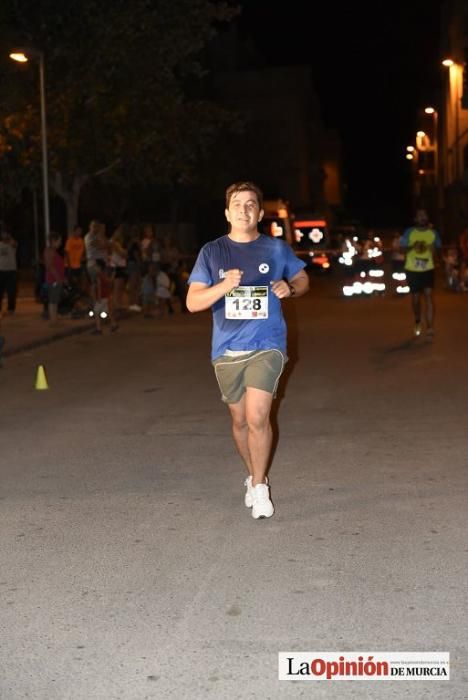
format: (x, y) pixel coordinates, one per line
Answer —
(117, 79)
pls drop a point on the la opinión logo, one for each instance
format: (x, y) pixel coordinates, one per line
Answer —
(364, 665)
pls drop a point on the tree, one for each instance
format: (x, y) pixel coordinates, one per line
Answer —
(116, 85)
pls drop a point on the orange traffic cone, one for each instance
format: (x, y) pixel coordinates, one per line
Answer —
(41, 379)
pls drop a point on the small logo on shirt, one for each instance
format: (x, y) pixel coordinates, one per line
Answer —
(264, 268)
(221, 273)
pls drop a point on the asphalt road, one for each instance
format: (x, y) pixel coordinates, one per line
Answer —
(129, 566)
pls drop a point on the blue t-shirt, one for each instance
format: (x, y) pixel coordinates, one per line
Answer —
(262, 261)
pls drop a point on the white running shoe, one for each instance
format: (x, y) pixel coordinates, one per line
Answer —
(248, 500)
(262, 506)
(134, 307)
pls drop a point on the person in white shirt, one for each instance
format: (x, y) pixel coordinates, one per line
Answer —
(8, 270)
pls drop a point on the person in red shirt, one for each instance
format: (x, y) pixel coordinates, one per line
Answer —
(54, 274)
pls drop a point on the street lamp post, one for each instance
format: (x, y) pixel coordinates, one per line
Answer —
(23, 57)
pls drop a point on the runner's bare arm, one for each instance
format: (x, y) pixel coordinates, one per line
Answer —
(296, 286)
(201, 296)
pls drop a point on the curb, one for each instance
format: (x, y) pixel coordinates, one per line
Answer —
(46, 340)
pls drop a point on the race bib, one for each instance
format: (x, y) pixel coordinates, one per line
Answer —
(420, 263)
(247, 303)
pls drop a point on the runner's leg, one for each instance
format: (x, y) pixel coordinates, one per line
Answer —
(240, 431)
(257, 411)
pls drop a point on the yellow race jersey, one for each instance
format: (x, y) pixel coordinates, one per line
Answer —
(422, 259)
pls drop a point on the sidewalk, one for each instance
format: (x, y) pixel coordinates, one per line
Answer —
(25, 329)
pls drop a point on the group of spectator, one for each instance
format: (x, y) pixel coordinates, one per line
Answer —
(456, 264)
(132, 269)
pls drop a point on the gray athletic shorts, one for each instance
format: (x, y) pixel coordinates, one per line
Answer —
(260, 369)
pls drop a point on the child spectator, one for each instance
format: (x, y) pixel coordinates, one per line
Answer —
(103, 303)
(164, 287)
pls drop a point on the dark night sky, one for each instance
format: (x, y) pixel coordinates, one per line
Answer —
(371, 83)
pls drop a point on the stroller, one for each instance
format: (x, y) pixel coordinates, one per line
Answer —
(73, 302)
(68, 304)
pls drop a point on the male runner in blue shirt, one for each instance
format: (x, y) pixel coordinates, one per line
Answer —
(243, 276)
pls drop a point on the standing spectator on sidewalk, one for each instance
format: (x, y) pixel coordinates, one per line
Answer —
(164, 287)
(134, 270)
(420, 242)
(463, 247)
(97, 248)
(91, 241)
(397, 256)
(55, 274)
(118, 263)
(8, 270)
(170, 255)
(150, 251)
(170, 259)
(148, 290)
(75, 255)
(244, 276)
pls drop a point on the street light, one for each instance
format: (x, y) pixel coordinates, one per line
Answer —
(22, 56)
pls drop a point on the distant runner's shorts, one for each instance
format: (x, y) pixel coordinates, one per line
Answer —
(419, 281)
(260, 369)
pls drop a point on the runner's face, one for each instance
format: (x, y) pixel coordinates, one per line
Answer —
(244, 212)
(422, 218)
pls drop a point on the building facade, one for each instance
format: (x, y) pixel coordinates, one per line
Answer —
(283, 141)
(453, 127)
